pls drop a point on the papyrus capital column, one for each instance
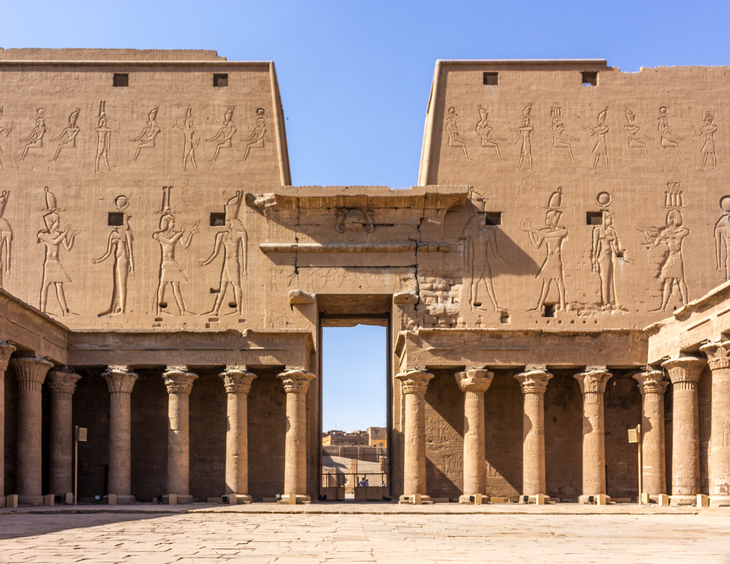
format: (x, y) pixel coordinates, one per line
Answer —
(685, 372)
(6, 349)
(62, 384)
(533, 381)
(237, 381)
(414, 384)
(474, 382)
(120, 381)
(30, 372)
(296, 383)
(592, 385)
(718, 357)
(179, 384)
(652, 385)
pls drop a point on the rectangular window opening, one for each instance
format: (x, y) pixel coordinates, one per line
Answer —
(493, 218)
(589, 78)
(594, 218)
(548, 310)
(217, 220)
(116, 219)
(121, 80)
(491, 79)
(220, 80)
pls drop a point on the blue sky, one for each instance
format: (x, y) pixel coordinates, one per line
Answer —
(355, 76)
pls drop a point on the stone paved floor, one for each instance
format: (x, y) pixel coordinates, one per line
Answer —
(344, 534)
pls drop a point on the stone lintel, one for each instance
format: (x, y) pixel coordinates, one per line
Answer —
(651, 381)
(6, 349)
(119, 379)
(237, 380)
(685, 369)
(474, 379)
(534, 379)
(717, 354)
(31, 371)
(178, 380)
(593, 380)
(414, 381)
(63, 381)
(296, 380)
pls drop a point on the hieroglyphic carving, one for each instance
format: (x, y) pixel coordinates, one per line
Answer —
(192, 139)
(673, 196)
(35, 138)
(553, 235)
(636, 139)
(233, 239)
(256, 139)
(561, 138)
(525, 132)
(708, 130)
(481, 241)
(170, 271)
(121, 246)
(104, 138)
(600, 130)
(52, 237)
(4, 131)
(146, 139)
(354, 219)
(225, 133)
(456, 139)
(722, 238)
(68, 136)
(6, 238)
(486, 132)
(667, 137)
(606, 251)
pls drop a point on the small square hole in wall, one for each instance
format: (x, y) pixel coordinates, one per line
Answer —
(491, 79)
(493, 218)
(594, 218)
(504, 317)
(121, 79)
(220, 80)
(115, 219)
(217, 220)
(548, 310)
(589, 78)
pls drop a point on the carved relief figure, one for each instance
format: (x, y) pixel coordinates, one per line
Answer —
(35, 139)
(637, 140)
(121, 246)
(486, 133)
(192, 139)
(6, 238)
(524, 132)
(600, 149)
(170, 271)
(722, 238)
(668, 137)
(561, 139)
(150, 131)
(52, 237)
(481, 241)
(233, 240)
(104, 135)
(225, 133)
(4, 131)
(606, 250)
(256, 139)
(553, 236)
(708, 130)
(456, 139)
(68, 135)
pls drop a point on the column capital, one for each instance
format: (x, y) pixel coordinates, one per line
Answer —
(6, 349)
(684, 370)
(63, 381)
(474, 379)
(31, 371)
(533, 380)
(718, 354)
(593, 380)
(237, 380)
(296, 380)
(119, 379)
(651, 381)
(414, 381)
(178, 380)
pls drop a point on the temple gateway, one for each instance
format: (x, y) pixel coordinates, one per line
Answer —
(558, 276)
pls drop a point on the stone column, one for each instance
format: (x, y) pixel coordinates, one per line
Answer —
(31, 372)
(62, 386)
(592, 385)
(533, 381)
(652, 384)
(120, 381)
(237, 382)
(474, 382)
(414, 384)
(685, 372)
(296, 383)
(6, 349)
(179, 383)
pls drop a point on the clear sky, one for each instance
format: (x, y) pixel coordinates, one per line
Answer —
(355, 76)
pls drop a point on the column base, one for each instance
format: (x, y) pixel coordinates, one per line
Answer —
(423, 499)
(472, 499)
(30, 500)
(236, 499)
(720, 501)
(286, 499)
(594, 499)
(121, 499)
(537, 499)
(179, 499)
(682, 500)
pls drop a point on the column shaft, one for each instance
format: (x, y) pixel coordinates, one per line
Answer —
(237, 382)
(6, 349)
(718, 356)
(120, 381)
(533, 382)
(62, 384)
(652, 385)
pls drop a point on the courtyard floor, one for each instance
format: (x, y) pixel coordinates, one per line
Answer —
(359, 532)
